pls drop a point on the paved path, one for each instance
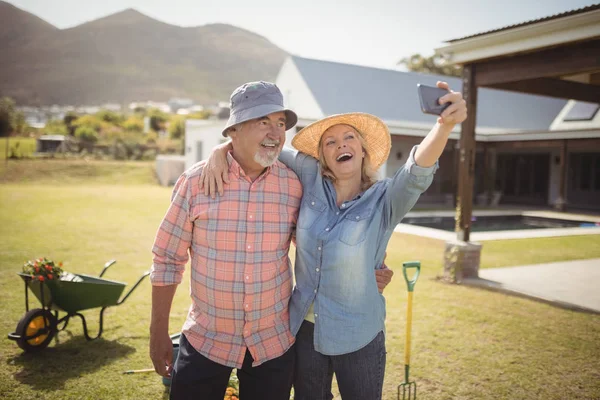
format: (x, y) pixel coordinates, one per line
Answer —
(569, 284)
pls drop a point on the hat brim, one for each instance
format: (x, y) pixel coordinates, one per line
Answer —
(260, 111)
(374, 131)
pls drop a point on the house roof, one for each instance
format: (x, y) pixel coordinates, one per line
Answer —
(392, 96)
(592, 7)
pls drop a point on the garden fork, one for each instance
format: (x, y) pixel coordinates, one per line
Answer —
(408, 390)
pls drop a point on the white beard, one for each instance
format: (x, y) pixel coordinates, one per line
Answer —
(266, 160)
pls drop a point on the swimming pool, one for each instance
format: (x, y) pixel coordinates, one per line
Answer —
(499, 223)
(496, 225)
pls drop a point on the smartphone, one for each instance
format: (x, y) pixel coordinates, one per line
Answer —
(429, 96)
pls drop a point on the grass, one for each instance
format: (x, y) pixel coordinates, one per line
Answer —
(60, 172)
(20, 147)
(467, 343)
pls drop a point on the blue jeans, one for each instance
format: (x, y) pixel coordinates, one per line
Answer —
(359, 374)
(196, 377)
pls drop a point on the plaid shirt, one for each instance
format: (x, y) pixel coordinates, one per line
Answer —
(241, 278)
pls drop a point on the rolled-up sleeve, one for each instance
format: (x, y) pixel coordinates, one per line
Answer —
(406, 186)
(173, 239)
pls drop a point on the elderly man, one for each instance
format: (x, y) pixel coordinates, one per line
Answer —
(241, 279)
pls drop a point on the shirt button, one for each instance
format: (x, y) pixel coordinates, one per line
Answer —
(327, 229)
(246, 306)
(317, 269)
(337, 213)
(357, 217)
(251, 217)
(245, 332)
(315, 290)
(344, 205)
(247, 277)
(316, 315)
(319, 248)
(249, 246)
(312, 203)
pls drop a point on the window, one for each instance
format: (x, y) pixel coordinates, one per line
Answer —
(582, 111)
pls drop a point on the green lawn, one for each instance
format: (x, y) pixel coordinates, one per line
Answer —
(467, 343)
(20, 147)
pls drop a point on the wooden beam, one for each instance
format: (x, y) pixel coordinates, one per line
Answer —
(466, 162)
(564, 60)
(554, 88)
(561, 202)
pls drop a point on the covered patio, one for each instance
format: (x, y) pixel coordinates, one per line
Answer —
(556, 56)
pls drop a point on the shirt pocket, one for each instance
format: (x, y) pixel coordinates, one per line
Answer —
(354, 226)
(311, 210)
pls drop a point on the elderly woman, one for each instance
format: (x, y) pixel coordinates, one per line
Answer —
(346, 220)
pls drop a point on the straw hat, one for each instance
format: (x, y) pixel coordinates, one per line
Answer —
(373, 130)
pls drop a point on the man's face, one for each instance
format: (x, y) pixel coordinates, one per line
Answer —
(260, 140)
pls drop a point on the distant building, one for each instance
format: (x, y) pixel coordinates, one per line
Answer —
(50, 144)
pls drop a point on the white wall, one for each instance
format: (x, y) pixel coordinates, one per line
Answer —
(393, 163)
(296, 94)
(206, 132)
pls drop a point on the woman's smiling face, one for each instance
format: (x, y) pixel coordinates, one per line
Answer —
(342, 151)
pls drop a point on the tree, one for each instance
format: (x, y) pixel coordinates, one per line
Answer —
(55, 127)
(86, 134)
(69, 120)
(133, 124)
(20, 125)
(111, 117)
(7, 116)
(157, 119)
(7, 112)
(435, 64)
(177, 127)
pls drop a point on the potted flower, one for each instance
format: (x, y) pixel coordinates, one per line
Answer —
(43, 269)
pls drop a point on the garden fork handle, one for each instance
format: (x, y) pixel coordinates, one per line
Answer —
(410, 283)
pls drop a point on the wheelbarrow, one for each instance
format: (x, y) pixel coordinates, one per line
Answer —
(71, 293)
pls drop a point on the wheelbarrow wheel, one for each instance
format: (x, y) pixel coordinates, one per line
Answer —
(36, 330)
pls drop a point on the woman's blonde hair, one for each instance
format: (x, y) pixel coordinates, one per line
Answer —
(368, 175)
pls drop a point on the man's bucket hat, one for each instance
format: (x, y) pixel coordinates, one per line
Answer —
(255, 100)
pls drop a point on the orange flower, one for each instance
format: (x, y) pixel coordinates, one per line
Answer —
(50, 276)
(41, 278)
(35, 264)
(37, 269)
(60, 264)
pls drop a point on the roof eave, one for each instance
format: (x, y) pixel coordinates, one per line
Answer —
(554, 32)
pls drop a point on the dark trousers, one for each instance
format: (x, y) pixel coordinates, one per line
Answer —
(196, 377)
(359, 374)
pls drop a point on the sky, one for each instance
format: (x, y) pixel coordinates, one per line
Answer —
(375, 33)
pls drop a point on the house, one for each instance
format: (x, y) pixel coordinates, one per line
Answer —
(49, 144)
(201, 135)
(529, 149)
(511, 127)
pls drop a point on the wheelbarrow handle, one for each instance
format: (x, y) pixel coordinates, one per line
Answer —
(133, 288)
(108, 264)
(411, 282)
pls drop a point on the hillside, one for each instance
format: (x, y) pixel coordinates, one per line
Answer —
(125, 57)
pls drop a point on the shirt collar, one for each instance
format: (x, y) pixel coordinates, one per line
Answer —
(236, 169)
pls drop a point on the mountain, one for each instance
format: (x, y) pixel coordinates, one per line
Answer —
(125, 57)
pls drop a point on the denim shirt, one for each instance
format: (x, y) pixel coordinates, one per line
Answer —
(338, 247)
